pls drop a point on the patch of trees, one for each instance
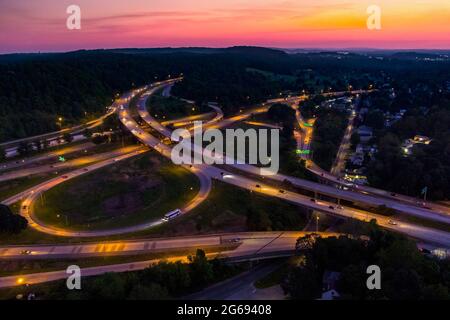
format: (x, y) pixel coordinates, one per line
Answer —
(162, 281)
(407, 274)
(224, 78)
(427, 166)
(328, 132)
(272, 217)
(38, 89)
(290, 163)
(308, 107)
(173, 107)
(35, 92)
(10, 222)
(2, 154)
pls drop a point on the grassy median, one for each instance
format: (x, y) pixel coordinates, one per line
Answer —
(127, 193)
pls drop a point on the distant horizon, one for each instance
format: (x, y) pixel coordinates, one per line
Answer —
(331, 49)
(41, 26)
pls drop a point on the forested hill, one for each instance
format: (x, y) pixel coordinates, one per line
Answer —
(37, 89)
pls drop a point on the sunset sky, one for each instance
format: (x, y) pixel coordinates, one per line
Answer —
(40, 25)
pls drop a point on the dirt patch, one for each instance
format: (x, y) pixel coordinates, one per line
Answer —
(122, 204)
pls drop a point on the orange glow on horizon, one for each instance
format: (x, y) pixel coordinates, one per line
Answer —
(26, 26)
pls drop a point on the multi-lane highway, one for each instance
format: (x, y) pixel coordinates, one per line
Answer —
(231, 246)
(28, 196)
(305, 140)
(205, 173)
(427, 234)
(45, 157)
(317, 188)
(247, 245)
(54, 138)
(65, 165)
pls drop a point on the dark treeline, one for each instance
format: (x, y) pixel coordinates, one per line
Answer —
(35, 93)
(37, 89)
(407, 274)
(11, 223)
(285, 117)
(427, 166)
(162, 281)
(328, 132)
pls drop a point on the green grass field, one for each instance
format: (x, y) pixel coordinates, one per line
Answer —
(128, 193)
(231, 209)
(169, 108)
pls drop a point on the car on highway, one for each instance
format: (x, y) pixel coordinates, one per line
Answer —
(340, 207)
(85, 169)
(65, 177)
(281, 191)
(331, 207)
(392, 222)
(313, 200)
(25, 252)
(258, 186)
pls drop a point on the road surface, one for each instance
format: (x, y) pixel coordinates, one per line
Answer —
(60, 166)
(240, 287)
(29, 196)
(427, 234)
(250, 244)
(308, 185)
(44, 157)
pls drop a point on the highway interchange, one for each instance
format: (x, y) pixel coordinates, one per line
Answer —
(244, 245)
(206, 173)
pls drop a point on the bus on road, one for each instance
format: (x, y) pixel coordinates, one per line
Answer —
(172, 214)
